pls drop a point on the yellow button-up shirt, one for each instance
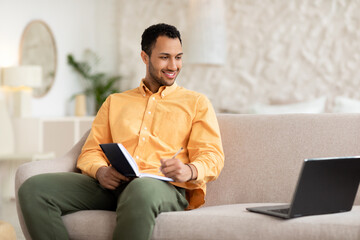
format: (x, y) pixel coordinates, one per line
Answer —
(154, 126)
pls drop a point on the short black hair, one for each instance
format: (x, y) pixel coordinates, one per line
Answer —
(149, 36)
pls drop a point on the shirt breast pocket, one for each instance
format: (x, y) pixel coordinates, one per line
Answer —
(171, 128)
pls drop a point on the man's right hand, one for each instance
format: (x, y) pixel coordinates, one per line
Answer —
(109, 178)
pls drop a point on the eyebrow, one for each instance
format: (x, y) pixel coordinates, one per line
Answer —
(168, 54)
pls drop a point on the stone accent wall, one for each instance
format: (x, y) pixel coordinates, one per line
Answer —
(278, 51)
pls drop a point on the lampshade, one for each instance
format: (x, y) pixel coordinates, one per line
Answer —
(29, 76)
(206, 39)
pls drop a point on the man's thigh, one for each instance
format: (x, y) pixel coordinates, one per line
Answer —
(70, 192)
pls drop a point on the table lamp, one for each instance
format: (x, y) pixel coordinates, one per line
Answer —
(21, 80)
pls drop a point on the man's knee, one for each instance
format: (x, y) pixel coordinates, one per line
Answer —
(39, 186)
(141, 191)
(30, 192)
(31, 187)
(145, 193)
(146, 187)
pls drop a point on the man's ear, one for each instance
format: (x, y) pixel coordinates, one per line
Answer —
(144, 57)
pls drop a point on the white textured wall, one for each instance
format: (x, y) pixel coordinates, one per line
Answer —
(134, 17)
(279, 51)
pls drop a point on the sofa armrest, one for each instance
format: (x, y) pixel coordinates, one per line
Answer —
(30, 169)
(66, 163)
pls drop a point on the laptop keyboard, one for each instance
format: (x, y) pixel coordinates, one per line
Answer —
(281, 210)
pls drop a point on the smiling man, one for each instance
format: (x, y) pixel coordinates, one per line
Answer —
(153, 122)
(165, 64)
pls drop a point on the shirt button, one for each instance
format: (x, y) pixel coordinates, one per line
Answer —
(137, 157)
(153, 98)
(143, 138)
(144, 95)
(163, 95)
(145, 128)
(149, 112)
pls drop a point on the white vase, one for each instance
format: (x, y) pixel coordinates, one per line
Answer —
(6, 128)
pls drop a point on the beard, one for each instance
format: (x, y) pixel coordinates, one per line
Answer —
(160, 80)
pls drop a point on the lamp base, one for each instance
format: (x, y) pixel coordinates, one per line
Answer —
(6, 128)
(22, 100)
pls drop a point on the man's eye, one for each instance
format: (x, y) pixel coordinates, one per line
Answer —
(179, 57)
(164, 58)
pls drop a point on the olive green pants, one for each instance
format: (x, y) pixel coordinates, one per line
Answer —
(45, 198)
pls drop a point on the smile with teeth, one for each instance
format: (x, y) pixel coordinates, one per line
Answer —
(170, 74)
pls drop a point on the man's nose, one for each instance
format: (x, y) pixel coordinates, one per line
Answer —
(172, 65)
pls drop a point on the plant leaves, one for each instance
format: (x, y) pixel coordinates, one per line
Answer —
(101, 86)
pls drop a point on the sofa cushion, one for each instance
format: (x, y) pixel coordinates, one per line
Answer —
(235, 222)
(264, 153)
(78, 223)
(223, 222)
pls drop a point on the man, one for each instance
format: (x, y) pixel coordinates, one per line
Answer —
(153, 122)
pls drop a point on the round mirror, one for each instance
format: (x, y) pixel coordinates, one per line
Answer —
(38, 47)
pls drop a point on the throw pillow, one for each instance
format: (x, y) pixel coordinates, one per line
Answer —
(346, 105)
(313, 106)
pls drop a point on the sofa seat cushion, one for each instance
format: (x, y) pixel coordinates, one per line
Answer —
(224, 222)
(235, 222)
(90, 224)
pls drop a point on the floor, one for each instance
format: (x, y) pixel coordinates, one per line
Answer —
(8, 214)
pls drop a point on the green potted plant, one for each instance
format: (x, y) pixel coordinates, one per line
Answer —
(98, 84)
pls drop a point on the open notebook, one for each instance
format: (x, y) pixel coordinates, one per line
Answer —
(123, 162)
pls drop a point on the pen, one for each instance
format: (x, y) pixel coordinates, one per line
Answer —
(174, 156)
(177, 153)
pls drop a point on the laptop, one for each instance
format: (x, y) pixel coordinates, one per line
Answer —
(325, 185)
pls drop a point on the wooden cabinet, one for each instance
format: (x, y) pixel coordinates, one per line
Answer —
(40, 135)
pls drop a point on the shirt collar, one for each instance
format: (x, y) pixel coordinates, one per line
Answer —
(163, 90)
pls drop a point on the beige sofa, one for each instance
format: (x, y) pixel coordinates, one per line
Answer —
(263, 154)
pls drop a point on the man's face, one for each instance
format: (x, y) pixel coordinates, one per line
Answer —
(165, 62)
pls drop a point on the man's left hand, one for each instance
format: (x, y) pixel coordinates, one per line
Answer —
(175, 169)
